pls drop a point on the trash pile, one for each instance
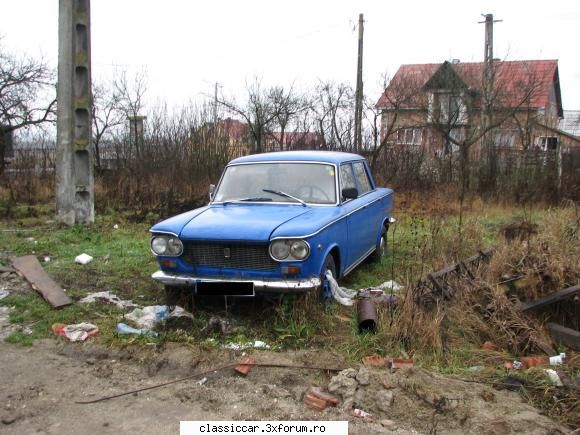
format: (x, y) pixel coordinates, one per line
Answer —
(76, 332)
(347, 297)
(107, 297)
(367, 299)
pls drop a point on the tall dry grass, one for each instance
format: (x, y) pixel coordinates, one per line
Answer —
(473, 310)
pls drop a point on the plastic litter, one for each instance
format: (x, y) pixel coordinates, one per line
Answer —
(554, 377)
(108, 297)
(342, 295)
(148, 317)
(361, 414)
(258, 344)
(558, 359)
(391, 285)
(76, 332)
(83, 259)
(3, 293)
(123, 328)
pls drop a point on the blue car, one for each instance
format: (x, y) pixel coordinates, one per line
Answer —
(275, 223)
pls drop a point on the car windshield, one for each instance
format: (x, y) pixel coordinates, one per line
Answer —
(312, 183)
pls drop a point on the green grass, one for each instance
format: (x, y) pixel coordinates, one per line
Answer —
(123, 264)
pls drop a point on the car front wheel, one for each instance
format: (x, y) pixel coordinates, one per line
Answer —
(176, 296)
(329, 265)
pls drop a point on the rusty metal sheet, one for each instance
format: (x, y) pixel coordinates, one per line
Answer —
(30, 269)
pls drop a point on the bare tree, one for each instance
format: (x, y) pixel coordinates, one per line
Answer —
(131, 95)
(263, 107)
(333, 110)
(289, 104)
(27, 95)
(106, 114)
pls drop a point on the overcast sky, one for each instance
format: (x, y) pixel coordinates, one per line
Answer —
(185, 46)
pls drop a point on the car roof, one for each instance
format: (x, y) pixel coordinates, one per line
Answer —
(307, 156)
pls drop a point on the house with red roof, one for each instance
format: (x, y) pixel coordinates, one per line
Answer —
(506, 104)
(240, 142)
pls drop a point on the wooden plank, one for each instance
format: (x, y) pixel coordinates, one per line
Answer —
(30, 269)
(552, 298)
(567, 336)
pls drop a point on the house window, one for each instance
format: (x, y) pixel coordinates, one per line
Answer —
(410, 136)
(447, 108)
(546, 143)
(504, 139)
(455, 138)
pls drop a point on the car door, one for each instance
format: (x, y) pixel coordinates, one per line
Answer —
(363, 215)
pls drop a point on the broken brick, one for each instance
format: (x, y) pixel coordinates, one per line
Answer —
(374, 361)
(328, 398)
(488, 345)
(245, 365)
(400, 363)
(315, 402)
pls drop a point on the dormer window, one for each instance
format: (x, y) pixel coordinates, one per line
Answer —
(447, 107)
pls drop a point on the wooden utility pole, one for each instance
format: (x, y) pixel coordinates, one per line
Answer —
(359, 89)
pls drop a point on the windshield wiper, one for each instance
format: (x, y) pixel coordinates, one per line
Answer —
(252, 198)
(287, 195)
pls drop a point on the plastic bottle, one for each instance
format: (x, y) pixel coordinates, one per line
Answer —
(558, 359)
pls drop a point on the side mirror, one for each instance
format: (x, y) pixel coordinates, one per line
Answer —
(211, 191)
(349, 193)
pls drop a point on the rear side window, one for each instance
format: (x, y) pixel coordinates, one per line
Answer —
(346, 177)
(362, 177)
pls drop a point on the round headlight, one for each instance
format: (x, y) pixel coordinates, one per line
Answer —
(299, 249)
(280, 250)
(159, 245)
(174, 246)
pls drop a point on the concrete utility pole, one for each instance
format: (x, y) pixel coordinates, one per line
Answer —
(488, 82)
(75, 198)
(359, 89)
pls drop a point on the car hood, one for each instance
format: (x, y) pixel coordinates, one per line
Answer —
(247, 222)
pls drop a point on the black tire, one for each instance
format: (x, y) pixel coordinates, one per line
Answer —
(329, 264)
(381, 249)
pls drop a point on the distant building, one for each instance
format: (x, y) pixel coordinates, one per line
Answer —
(570, 124)
(240, 141)
(437, 105)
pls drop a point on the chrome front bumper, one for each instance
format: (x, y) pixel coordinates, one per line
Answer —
(286, 286)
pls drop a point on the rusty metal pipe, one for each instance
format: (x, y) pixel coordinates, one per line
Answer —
(367, 316)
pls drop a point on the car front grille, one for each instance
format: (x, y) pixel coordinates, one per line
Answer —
(228, 255)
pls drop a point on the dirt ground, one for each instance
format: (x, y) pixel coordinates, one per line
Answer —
(41, 384)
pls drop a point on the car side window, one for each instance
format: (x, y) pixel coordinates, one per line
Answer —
(362, 177)
(346, 177)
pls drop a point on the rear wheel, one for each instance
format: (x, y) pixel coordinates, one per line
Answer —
(381, 249)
